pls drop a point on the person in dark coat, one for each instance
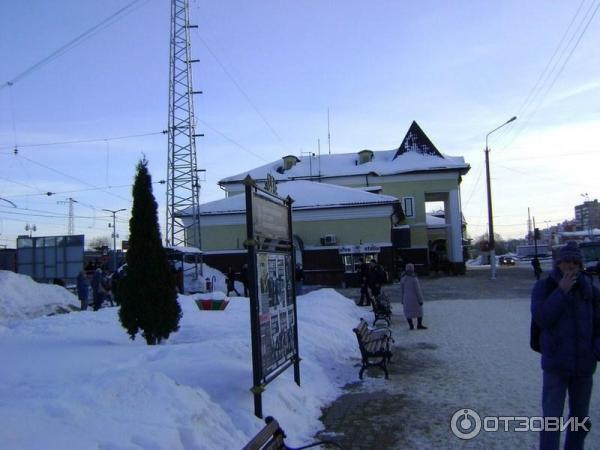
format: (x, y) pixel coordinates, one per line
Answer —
(537, 267)
(245, 278)
(299, 278)
(83, 289)
(566, 307)
(375, 277)
(180, 280)
(365, 297)
(97, 289)
(230, 281)
(411, 296)
(115, 279)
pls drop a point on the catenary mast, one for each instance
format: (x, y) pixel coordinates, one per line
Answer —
(183, 188)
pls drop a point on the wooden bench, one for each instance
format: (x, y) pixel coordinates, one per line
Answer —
(271, 437)
(382, 309)
(374, 345)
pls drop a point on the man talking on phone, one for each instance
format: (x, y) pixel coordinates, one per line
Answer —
(566, 306)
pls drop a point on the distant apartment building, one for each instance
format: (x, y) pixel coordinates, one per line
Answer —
(587, 215)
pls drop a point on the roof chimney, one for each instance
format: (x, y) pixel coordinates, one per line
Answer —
(365, 156)
(289, 161)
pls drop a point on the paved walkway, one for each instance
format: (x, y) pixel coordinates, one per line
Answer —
(427, 384)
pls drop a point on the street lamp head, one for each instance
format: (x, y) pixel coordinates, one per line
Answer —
(512, 119)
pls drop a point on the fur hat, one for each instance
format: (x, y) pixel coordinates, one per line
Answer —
(569, 252)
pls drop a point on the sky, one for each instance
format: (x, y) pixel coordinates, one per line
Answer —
(270, 71)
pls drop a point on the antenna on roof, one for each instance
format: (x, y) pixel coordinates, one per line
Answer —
(328, 133)
(319, 151)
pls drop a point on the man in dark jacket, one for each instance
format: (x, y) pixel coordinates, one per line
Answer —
(537, 267)
(83, 289)
(97, 290)
(375, 278)
(365, 297)
(566, 306)
(230, 281)
(245, 279)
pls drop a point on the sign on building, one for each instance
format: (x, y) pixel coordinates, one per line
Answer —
(271, 264)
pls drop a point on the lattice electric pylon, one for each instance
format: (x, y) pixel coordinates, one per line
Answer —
(71, 227)
(183, 187)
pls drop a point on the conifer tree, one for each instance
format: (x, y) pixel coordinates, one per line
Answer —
(147, 293)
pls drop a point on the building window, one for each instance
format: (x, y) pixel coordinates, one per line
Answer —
(408, 205)
(348, 264)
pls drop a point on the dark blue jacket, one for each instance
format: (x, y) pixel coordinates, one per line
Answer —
(570, 324)
(82, 286)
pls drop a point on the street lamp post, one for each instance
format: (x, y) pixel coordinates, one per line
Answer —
(114, 234)
(491, 240)
(31, 229)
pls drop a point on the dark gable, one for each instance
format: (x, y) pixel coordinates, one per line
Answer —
(417, 141)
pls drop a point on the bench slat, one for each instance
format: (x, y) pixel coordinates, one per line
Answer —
(263, 437)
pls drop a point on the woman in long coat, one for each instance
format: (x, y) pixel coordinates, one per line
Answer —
(412, 298)
(83, 289)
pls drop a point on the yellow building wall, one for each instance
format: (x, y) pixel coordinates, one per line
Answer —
(416, 189)
(222, 237)
(347, 231)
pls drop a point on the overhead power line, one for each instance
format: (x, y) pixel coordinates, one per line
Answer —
(84, 141)
(74, 191)
(237, 144)
(545, 72)
(548, 78)
(242, 91)
(70, 176)
(74, 42)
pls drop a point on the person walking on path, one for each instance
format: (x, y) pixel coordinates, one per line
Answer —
(230, 281)
(299, 278)
(83, 289)
(375, 277)
(537, 267)
(97, 290)
(244, 278)
(365, 297)
(566, 307)
(411, 297)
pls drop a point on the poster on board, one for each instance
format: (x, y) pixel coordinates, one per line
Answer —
(276, 310)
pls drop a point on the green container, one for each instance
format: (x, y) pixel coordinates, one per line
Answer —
(212, 305)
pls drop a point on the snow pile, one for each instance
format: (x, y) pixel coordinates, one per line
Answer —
(21, 297)
(78, 381)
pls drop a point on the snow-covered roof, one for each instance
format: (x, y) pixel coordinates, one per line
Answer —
(581, 233)
(188, 250)
(434, 221)
(415, 154)
(306, 195)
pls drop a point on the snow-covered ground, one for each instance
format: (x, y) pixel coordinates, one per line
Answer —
(77, 381)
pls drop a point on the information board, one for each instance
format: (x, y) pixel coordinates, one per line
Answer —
(271, 262)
